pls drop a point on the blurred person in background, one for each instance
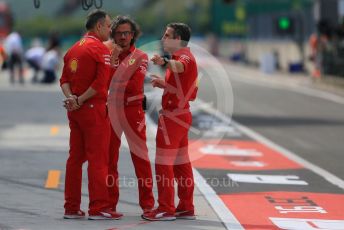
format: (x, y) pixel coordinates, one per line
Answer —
(14, 48)
(51, 60)
(34, 56)
(3, 55)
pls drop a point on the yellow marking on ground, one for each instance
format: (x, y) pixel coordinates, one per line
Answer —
(53, 179)
(54, 130)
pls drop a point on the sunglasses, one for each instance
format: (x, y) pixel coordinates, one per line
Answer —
(125, 33)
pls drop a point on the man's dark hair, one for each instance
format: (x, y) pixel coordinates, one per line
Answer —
(120, 20)
(94, 17)
(182, 30)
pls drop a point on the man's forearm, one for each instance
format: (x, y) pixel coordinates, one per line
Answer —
(70, 102)
(66, 90)
(175, 66)
(90, 92)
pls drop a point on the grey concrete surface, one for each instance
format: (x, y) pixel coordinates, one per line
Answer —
(277, 108)
(28, 150)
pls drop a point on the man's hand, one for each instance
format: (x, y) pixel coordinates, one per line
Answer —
(116, 51)
(158, 82)
(157, 60)
(71, 103)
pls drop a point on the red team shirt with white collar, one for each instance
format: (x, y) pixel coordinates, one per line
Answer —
(91, 70)
(181, 87)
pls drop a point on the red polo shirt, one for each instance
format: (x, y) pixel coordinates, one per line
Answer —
(87, 64)
(128, 76)
(180, 87)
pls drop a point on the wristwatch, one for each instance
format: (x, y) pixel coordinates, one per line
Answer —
(166, 60)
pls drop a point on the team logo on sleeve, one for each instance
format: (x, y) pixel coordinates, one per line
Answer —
(131, 61)
(185, 58)
(73, 65)
(143, 66)
(107, 59)
(82, 41)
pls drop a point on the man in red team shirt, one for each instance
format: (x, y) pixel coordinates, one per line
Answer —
(125, 109)
(172, 160)
(84, 82)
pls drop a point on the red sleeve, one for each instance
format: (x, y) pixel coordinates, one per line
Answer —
(185, 60)
(112, 72)
(65, 72)
(137, 79)
(102, 56)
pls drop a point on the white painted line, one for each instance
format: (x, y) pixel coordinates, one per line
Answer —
(295, 88)
(27, 87)
(36, 137)
(292, 156)
(225, 215)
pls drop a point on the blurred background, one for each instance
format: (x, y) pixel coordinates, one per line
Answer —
(273, 95)
(288, 35)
